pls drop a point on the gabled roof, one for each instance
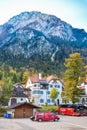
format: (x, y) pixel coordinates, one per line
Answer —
(17, 85)
(49, 78)
(18, 90)
(20, 104)
(35, 78)
(43, 81)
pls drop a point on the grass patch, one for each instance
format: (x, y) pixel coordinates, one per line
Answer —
(49, 108)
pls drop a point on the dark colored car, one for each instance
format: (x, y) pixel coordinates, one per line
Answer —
(45, 116)
(84, 112)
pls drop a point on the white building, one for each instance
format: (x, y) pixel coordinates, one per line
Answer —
(83, 87)
(18, 95)
(41, 88)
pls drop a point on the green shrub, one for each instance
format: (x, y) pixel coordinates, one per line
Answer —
(49, 108)
(2, 110)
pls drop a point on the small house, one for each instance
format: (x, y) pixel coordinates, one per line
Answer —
(18, 95)
(22, 110)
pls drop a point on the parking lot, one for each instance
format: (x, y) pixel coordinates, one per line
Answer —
(65, 123)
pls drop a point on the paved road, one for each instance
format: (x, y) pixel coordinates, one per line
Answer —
(65, 123)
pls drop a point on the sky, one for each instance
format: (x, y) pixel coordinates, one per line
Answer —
(73, 12)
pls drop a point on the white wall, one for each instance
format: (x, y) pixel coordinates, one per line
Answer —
(19, 100)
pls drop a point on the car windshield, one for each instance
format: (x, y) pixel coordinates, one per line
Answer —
(40, 114)
(52, 113)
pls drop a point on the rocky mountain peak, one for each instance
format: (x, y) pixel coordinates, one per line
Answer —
(49, 25)
(35, 34)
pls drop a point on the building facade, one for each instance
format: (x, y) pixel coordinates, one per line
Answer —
(18, 95)
(22, 110)
(83, 87)
(41, 88)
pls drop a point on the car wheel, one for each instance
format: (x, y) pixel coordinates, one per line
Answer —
(56, 119)
(40, 120)
(32, 118)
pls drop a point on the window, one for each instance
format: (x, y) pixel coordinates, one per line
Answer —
(32, 100)
(52, 100)
(38, 85)
(41, 100)
(48, 100)
(37, 92)
(13, 100)
(21, 99)
(33, 92)
(51, 85)
(35, 85)
(40, 92)
(40, 114)
(83, 100)
(86, 99)
(58, 86)
(48, 92)
(52, 114)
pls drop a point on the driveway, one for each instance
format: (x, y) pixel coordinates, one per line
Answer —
(65, 123)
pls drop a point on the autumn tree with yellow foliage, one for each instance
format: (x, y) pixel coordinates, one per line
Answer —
(72, 74)
(53, 93)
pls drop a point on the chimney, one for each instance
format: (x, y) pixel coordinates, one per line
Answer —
(40, 76)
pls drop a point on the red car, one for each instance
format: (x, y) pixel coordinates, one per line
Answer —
(45, 116)
(68, 111)
(72, 109)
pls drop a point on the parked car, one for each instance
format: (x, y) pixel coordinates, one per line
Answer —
(72, 109)
(45, 116)
(84, 111)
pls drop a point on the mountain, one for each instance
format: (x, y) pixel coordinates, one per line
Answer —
(39, 40)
